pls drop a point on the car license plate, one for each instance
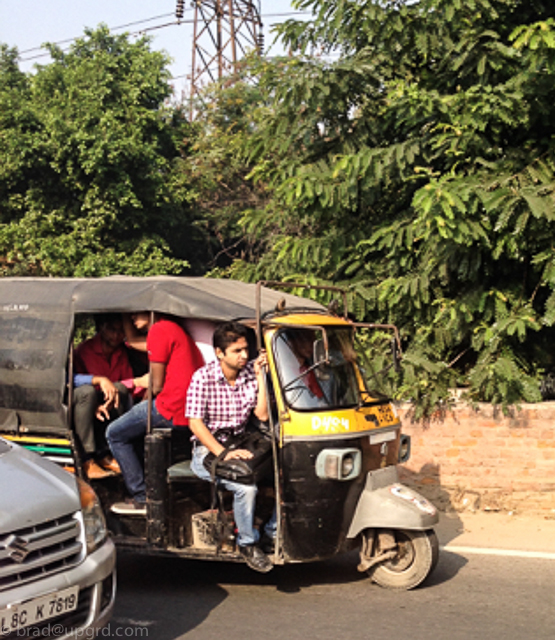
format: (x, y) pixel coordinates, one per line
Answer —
(25, 614)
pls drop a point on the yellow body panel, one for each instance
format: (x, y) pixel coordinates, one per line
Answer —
(311, 319)
(28, 440)
(340, 423)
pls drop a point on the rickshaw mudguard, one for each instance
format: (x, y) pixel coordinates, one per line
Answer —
(387, 504)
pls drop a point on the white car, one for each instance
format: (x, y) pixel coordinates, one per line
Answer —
(57, 564)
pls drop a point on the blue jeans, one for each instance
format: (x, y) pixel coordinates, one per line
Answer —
(244, 500)
(122, 436)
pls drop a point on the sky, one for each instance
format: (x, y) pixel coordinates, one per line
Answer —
(26, 24)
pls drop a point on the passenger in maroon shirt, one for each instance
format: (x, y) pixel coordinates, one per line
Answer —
(103, 385)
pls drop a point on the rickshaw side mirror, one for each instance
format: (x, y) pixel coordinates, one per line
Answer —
(320, 353)
(321, 357)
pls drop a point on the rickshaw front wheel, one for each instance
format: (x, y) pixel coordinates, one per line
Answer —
(417, 555)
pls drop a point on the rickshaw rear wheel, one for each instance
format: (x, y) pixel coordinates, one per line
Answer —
(417, 556)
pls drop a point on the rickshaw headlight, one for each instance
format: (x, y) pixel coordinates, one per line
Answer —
(338, 464)
(400, 491)
(404, 448)
(347, 465)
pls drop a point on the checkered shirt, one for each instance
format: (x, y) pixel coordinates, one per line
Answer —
(219, 405)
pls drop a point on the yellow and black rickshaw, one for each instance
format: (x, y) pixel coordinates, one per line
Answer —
(336, 441)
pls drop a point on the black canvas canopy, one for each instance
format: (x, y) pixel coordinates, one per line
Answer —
(36, 325)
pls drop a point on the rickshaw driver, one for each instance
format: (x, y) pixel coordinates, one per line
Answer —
(221, 397)
(307, 391)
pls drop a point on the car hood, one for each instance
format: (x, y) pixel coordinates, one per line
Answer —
(32, 489)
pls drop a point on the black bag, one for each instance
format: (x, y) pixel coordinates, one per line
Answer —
(242, 471)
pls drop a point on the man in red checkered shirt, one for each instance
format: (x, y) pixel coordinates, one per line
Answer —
(221, 397)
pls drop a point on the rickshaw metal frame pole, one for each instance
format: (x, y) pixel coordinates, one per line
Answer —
(258, 315)
(273, 435)
(70, 396)
(150, 398)
(389, 327)
(299, 285)
(70, 385)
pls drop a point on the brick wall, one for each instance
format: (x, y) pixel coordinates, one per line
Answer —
(480, 459)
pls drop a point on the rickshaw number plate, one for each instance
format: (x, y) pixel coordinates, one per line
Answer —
(384, 436)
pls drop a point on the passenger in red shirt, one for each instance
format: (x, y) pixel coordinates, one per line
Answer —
(103, 381)
(174, 358)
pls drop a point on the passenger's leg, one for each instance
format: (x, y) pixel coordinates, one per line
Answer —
(244, 499)
(271, 526)
(199, 453)
(85, 402)
(102, 449)
(121, 435)
(124, 400)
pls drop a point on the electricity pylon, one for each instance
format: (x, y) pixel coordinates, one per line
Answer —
(224, 31)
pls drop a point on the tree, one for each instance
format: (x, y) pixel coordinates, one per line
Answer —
(88, 182)
(413, 161)
(218, 171)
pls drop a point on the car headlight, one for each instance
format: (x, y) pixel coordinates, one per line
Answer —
(338, 464)
(93, 518)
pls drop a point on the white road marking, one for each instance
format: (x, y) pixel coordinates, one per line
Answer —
(485, 551)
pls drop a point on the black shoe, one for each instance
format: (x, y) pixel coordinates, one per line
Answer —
(255, 558)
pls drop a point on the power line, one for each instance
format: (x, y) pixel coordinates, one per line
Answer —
(134, 33)
(164, 15)
(121, 26)
(143, 31)
(284, 15)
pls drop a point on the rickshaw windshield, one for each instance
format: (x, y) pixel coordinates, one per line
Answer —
(309, 381)
(376, 364)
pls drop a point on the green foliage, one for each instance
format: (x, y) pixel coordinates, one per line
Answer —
(416, 167)
(217, 170)
(88, 182)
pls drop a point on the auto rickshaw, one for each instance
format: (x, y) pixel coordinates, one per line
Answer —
(336, 441)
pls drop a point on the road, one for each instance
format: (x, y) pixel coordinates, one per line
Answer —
(468, 597)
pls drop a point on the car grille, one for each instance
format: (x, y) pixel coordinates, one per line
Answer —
(35, 552)
(58, 627)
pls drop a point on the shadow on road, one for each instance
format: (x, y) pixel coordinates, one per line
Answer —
(191, 590)
(447, 568)
(187, 589)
